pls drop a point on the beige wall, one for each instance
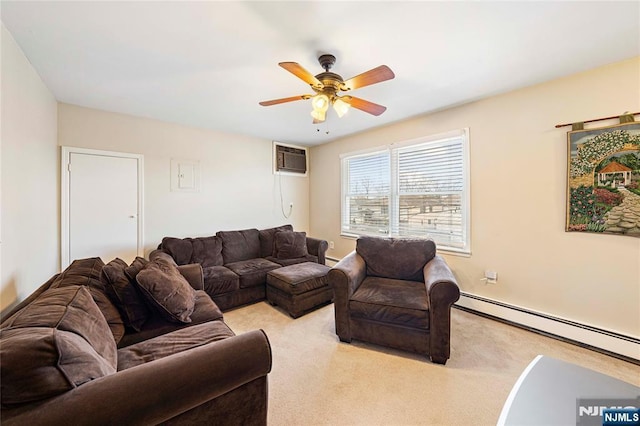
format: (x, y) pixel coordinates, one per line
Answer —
(238, 187)
(29, 178)
(518, 192)
(518, 174)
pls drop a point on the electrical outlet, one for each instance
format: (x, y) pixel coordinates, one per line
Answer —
(491, 276)
(331, 245)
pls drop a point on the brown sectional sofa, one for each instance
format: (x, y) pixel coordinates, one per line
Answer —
(235, 263)
(89, 347)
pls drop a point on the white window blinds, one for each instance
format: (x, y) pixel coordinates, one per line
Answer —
(417, 189)
(367, 193)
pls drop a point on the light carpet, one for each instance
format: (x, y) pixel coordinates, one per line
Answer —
(317, 380)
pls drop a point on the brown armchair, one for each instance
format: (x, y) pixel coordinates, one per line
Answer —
(397, 293)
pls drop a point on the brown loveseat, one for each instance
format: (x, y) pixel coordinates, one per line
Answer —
(89, 347)
(395, 292)
(236, 263)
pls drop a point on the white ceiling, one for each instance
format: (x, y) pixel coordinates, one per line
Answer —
(208, 64)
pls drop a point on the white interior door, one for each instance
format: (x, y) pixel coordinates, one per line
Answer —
(103, 205)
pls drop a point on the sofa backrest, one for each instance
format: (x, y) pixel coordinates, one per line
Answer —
(207, 251)
(397, 258)
(9, 311)
(239, 245)
(181, 249)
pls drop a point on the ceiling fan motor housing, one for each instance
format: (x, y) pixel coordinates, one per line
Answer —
(331, 82)
(327, 61)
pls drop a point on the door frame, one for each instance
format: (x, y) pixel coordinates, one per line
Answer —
(65, 158)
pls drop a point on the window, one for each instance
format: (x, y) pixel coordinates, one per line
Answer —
(417, 189)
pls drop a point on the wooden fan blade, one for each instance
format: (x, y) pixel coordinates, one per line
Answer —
(283, 100)
(363, 105)
(297, 70)
(316, 121)
(376, 75)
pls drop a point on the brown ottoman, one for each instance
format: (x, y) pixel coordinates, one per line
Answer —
(299, 288)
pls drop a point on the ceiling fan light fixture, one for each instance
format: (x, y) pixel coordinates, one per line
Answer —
(341, 107)
(319, 115)
(320, 102)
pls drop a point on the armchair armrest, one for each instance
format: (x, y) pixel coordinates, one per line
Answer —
(442, 292)
(318, 248)
(158, 390)
(344, 279)
(192, 272)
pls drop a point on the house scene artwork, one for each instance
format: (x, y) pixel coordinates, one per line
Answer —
(604, 180)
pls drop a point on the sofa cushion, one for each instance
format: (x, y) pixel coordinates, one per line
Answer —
(80, 272)
(219, 280)
(290, 245)
(205, 310)
(58, 342)
(172, 343)
(88, 272)
(181, 249)
(125, 294)
(167, 290)
(136, 266)
(392, 301)
(397, 258)
(267, 239)
(240, 245)
(252, 272)
(207, 251)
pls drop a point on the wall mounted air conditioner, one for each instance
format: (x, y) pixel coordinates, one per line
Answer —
(290, 159)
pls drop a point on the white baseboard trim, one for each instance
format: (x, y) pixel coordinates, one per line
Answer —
(331, 261)
(587, 335)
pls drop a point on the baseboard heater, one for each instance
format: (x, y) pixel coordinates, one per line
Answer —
(604, 341)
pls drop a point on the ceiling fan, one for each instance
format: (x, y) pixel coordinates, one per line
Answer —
(327, 85)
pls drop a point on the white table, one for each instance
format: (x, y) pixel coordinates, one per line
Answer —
(548, 389)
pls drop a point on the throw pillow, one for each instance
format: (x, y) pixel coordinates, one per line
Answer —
(125, 294)
(267, 237)
(54, 344)
(39, 363)
(87, 272)
(290, 245)
(167, 290)
(108, 309)
(135, 267)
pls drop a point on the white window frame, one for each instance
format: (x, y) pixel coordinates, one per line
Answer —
(393, 227)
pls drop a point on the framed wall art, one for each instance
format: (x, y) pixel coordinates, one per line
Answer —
(603, 182)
